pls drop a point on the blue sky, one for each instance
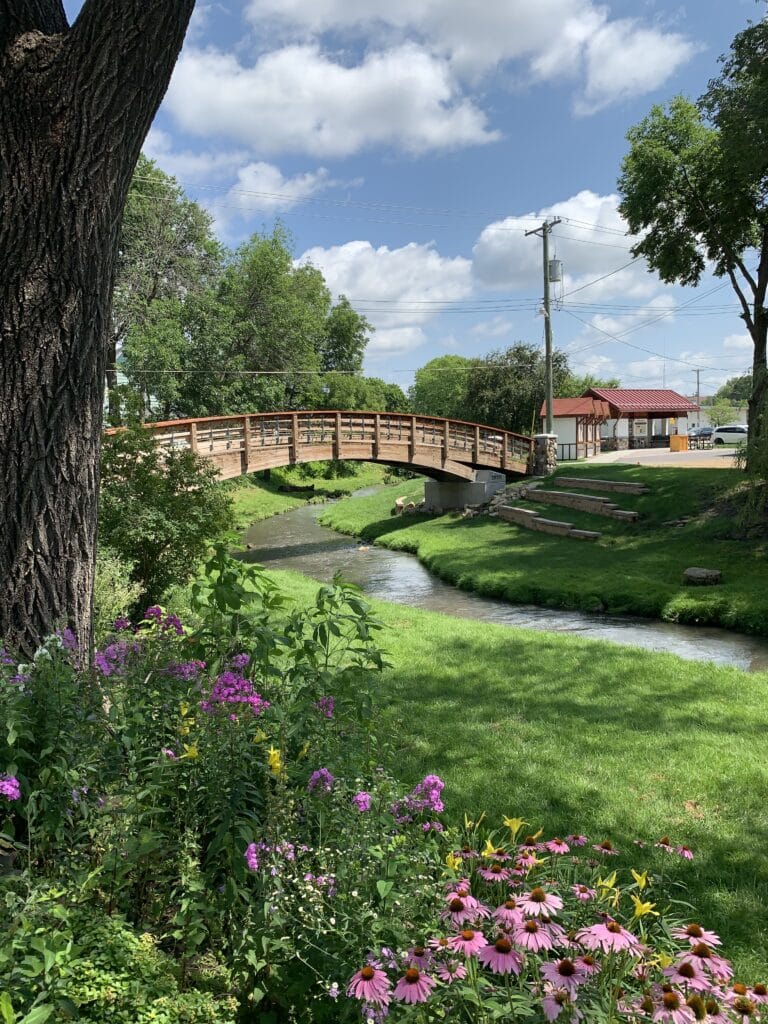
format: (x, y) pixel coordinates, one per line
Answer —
(408, 145)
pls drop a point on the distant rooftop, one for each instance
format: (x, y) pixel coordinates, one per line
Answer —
(661, 400)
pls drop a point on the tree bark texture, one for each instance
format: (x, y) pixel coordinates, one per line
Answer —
(75, 106)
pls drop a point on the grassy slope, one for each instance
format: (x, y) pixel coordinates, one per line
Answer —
(631, 569)
(586, 735)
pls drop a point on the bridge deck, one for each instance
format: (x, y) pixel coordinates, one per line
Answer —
(445, 449)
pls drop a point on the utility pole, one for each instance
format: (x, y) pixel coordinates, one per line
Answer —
(544, 231)
(698, 394)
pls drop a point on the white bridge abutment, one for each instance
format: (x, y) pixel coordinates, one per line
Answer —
(442, 495)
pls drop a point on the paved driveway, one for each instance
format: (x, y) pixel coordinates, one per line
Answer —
(714, 458)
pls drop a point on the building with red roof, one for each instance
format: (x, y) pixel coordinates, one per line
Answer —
(609, 419)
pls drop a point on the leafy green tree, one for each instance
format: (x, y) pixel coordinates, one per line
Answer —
(167, 252)
(695, 184)
(721, 412)
(736, 389)
(346, 335)
(508, 388)
(159, 509)
(344, 391)
(574, 385)
(441, 386)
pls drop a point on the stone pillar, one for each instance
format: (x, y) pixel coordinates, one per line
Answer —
(544, 454)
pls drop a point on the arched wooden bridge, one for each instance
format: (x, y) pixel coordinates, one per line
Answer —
(440, 448)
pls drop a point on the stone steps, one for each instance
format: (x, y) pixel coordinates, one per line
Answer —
(531, 520)
(591, 503)
(612, 486)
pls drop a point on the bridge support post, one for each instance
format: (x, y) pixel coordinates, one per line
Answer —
(412, 441)
(376, 434)
(476, 446)
(446, 439)
(293, 450)
(193, 437)
(337, 438)
(246, 456)
(441, 495)
(544, 454)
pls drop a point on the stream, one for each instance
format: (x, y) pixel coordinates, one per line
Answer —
(295, 540)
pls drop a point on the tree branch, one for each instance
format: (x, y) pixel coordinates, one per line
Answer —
(20, 16)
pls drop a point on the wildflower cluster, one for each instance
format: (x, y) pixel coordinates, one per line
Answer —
(423, 798)
(167, 623)
(113, 659)
(9, 787)
(528, 927)
(321, 781)
(231, 688)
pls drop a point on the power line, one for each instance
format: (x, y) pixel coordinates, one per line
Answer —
(597, 280)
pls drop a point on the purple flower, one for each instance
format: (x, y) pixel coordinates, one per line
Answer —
(362, 801)
(186, 670)
(68, 639)
(325, 706)
(231, 688)
(253, 855)
(112, 660)
(167, 752)
(121, 623)
(320, 780)
(9, 787)
(239, 661)
(172, 623)
(153, 612)
(423, 797)
(6, 658)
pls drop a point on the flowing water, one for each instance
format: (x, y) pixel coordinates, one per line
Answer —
(295, 540)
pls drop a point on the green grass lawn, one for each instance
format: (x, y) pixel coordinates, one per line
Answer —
(633, 568)
(255, 498)
(586, 735)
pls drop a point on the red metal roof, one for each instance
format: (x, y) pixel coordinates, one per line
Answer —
(578, 407)
(643, 400)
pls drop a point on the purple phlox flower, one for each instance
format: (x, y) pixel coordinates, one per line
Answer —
(321, 780)
(9, 787)
(324, 706)
(68, 639)
(20, 679)
(333, 991)
(121, 623)
(78, 794)
(153, 612)
(253, 855)
(432, 826)
(373, 1014)
(6, 658)
(239, 661)
(113, 659)
(362, 801)
(425, 796)
(172, 623)
(170, 754)
(231, 688)
(186, 670)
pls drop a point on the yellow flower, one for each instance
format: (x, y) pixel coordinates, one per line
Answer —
(259, 736)
(304, 751)
(641, 909)
(275, 761)
(664, 960)
(642, 880)
(453, 862)
(190, 751)
(469, 823)
(514, 825)
(183, 708)
(607, 883)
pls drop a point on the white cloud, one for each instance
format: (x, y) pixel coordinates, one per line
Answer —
(614, 59)
(394, 341)
(298, 99)
(739, 343)
(191, 167)
(497, 327)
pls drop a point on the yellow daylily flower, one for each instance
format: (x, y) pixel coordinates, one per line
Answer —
(607, 883)
(304, 751)
(642, 880)
(489, 849)
(183, 709)
(514, 825)
(664, 960)
(275, 761)
(453, 862)
(191, 752)
(641, 909)
(260, 736)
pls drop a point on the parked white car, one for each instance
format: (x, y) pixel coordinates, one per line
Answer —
(730, 433)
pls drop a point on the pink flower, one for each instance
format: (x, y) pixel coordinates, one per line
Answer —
(441, 944)
(509, 913)
(414, 987)
(362, 801)
(703, 956)
(462, 907)
(420, 957)
(608, 936)
(494, 873)
(664, 844)
(673, 1009)
(554, 1002)
(468, 942)
(583, 893)
(694, 933)
(450, 971)
(685, 852)
(371, 985)
(539, 903)
(565, 974)
(588, 964)
(607, 848)
(759, 993)
(500, 957)
(557, 846)
(689, 975)
(577, 840)
(532, 935)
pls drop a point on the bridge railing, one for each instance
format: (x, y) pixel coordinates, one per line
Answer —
(465, 442)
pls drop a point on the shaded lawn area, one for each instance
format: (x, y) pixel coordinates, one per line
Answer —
(580, 735)
(632, 569)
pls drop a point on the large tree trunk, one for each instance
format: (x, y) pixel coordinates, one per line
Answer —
(758, 400)
(75, 106)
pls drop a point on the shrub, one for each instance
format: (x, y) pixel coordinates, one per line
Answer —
(115, 593)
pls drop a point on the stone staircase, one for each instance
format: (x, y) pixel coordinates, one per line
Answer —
(594, 504)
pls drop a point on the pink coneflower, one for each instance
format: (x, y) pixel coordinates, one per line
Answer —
(557, 846)
(606, 847)
(529, 844)
(420, 957)
(466, 853)
(685, 852)
(665, 844)
(527, 860)
(450, 971)
(495, 873)
(371, 985)
(509, 913)
(468, 942)
(441, 944)
(588, 964)
(577, 840)
(532, 935)
(461, 907)
(608, 936)
(414, 987)
(673, 1008)
(715, 1012)
(554, 1002)
(565, 973)
(583, 893)
(538, 902)
(500, 957)
(694, 933)
(556, 933)
(744, 1008)
(689, 975)
(759, 993)
(705, 957)
(499, 854)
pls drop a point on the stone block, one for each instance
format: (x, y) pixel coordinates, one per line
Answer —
(584, 534)
(695, 576)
